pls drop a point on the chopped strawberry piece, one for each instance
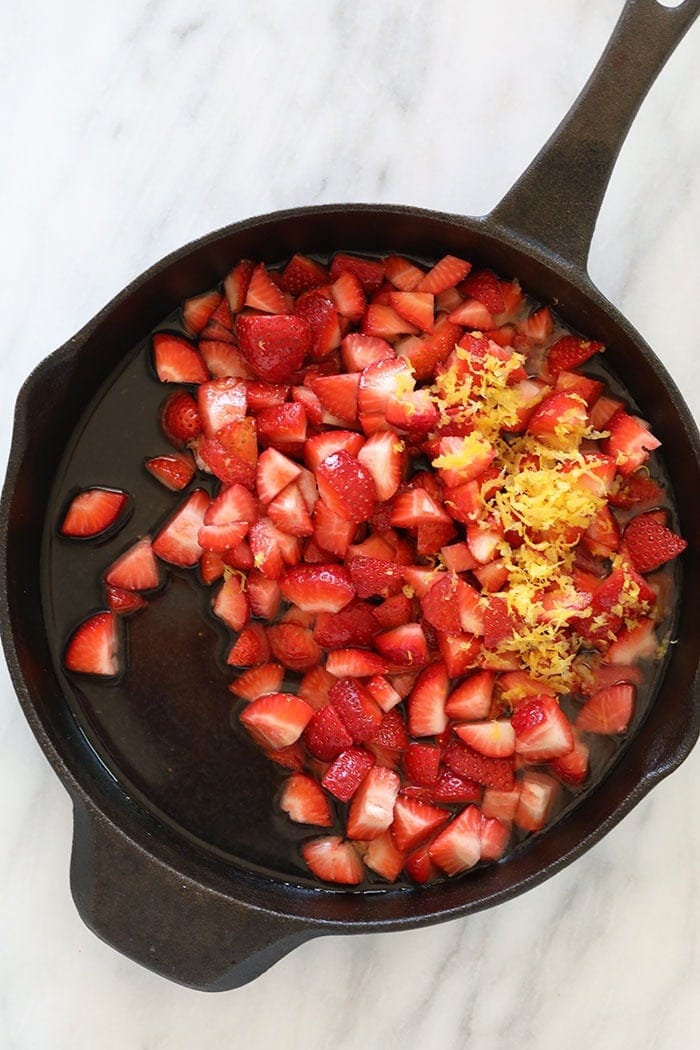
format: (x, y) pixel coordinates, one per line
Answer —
(346, 772)
(179, 418)
(211, 567)
(276, 720)
(542, 730)
(538, 795)
(224, 360)
(251, 648)
(92, 512)
(197, 311)
(419, 866)
(460, 652)
(609, 710)
(415, 821)
(372, 807)
(422, 763)
(355, 625)
(494, 837)
(178, 542)
(471, 699)
(630, 442)
(263, 294)
(637, 491)
(357, 710)
(650, 544)
(404, 646)
(403, 274)
(231, 605)
(426, 702)
(222, 538)
(221, 401)
(446, 273)
(458, 847)
(384, 858)
(570, 352)
(325, 735)
(485, 286)
(177, 361)
(93, 646)
(359, 351)
(495, 738)
(302, 273)
(318, 588)
(317, 308)
(345, 486)
(333, 860)
(136, 569)
(416, 308)
(175, 470)
(430, 350)
(274, 347)
(304, 801)
(358, 663)
(258, 681)
(573, 767)
(502, 804)
(124, 602)
(293, 646)
(369, 272)
(491, 772)
(236, 285)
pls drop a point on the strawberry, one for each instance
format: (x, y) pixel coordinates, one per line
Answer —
(495, 739)
(223, 359)
(258, 681)
(493, 836)
(318, 588)
(355, 625)
(569, 352)
(338, 395)
(283, 426)
(503, 804)
(302, 273)
(274, 471)
(274, 347)
(471, 314)
(231, 604)
(484, 286)
(451, 788)
(234, 503)
(426, 702)
(639, 491)
(426, 353)
(348, 296)
(419, 866)
(345, 486)
(251, 648)
(92, 512)
(446, 273)
(369, 272)
(333, 860)
(382, 690)
(538, 795)
(357, 710)
(358, 663)
(573, 767)
(123, 602)
(383, 456)
(263, 294)
(236, 285)
(385, 323)
(630, 441)
(177, 541)
(179, 418)
(539, 326)
(542, 730)
(332, 532)
(315, 686)
(404, 275)
(472, 698)
(458, 846)
(415, 307)
(320, 446)
(560, 415)
(359, 351)
(384, 858)
(417, 507)
(293, 646)
(440, 604)
(232, 454)
(222, 538)
(288, 512)
(415, 821)
(174, 470)
(317, 308)
(422, 763)
(176, 361)
(304, 801)
(372, 807)
(136, 569)
(197, 311)
(93, 646)
(634, 644)
(265, 395)
(609, 710)
(219, 327)
(211, 567)
(650, 544)
(276, 720)
(404, 646)
(458, 558)
(346, 772)
(325, 735)
(491, 772)
(221, 401)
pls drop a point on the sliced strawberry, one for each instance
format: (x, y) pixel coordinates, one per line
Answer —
(381, 689)
(569, 352)
(318, 588)
(236, 285)
(251, 648)
(485, 286)
(317, 308)
(274, 471)
(211, 567)
(369, 272)
(384, 322)
(384, 858)
(650, 544)
(223, 360)
(494, 837)
(403, 274)
(383, 456)
(288, 512)
(232, 455)
(630, 441)
(538, 795)
(609, 710)
(176, 361)
(219, 327)
(638, 491)
(415, 821)
(440, 604)
(348, 296)
(276, 720)
(542, 730)
(258, 681)
(539, 326)
(333, 860)
(93, 646)
(231, 604)
(458, 847)
(315, 686)
(415, 307)
(495, 738)
(572, 768)
(263, 294)
(302, 273)
(332, 532)
(426, 702)
(359, 351)
(346, 772)
(417, 507)
(177, 541)
(221, 401)
(460, 652)
(124, 602)
(304, 801)
(491, 772)
(446, 273)
(471, 699)
(358, 663)
(338, 395)
(326, 736)
(372, 807)
(222, 538)
(419, 866)
(92, 512)
(293, 646)
(422, 763)
(634, 644)
(174, 470)
(179, 418)
(355, 625)
(472, 314)
(502, 804)
(136, 569)
(197, 310)
(274, 347)
(357, 710)
(345, 486)
(404, 646)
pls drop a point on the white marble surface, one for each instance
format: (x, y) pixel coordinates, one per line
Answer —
(130, 127)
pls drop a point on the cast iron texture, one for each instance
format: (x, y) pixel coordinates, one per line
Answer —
(137, 884)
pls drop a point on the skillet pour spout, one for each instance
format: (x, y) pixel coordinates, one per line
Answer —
(158, 896)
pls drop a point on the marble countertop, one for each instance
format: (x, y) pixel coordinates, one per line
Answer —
(133, 126)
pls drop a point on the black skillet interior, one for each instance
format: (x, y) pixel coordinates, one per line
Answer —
(126, 857)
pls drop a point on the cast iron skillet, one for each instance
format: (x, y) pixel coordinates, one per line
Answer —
(141, 883)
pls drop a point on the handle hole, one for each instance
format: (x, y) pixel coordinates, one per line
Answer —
(670, 3)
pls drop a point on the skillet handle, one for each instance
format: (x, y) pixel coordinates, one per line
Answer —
(557, 199)
(168, 922)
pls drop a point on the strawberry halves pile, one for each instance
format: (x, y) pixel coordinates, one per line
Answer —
(430, 529)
